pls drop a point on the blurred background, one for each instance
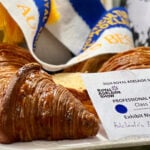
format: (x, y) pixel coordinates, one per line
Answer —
(139, 11)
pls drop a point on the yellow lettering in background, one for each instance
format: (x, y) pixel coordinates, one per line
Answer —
(111, 39)
(95, 46)
(88, 41)
(118, 39)
(26, 14)
(46, 11)
(25, 10)
(114, 18)
(46, 4)
(121, 13)
(45, 15)
(29, 19)
(109, 19)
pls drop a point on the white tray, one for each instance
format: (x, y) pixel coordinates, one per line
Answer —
(99, 142)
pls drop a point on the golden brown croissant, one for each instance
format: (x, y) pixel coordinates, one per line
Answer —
(136, 58)
(33, 107)
(74, 83)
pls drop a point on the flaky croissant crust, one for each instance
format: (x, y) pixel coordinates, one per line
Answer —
(136, 58)
(33, 107)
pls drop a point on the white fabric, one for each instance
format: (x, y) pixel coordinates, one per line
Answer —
(139, 12)
(71, 30)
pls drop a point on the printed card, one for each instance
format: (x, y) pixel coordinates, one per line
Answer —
(122, 101)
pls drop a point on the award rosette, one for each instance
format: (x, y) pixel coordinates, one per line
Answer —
(110, 34)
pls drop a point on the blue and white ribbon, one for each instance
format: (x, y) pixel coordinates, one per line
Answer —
(116, 17)
(85, 28)
(89, 10)
(111, 34)
(77, 19)
(43, 7)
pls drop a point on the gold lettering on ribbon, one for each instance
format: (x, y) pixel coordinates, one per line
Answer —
(26, 14)
(95, 46)
(118, 38)
(45, 15)
(113, 18)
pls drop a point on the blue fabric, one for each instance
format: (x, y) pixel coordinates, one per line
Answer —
(44, 10)
(95, 36)
(89, 10)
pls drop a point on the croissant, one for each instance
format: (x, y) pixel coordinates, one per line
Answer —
(33, 107)
(136, 58)
(74, 83)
